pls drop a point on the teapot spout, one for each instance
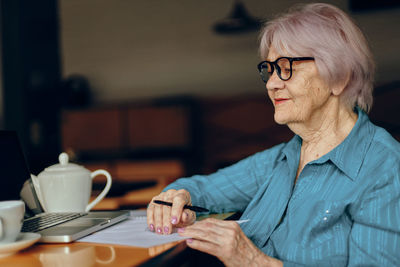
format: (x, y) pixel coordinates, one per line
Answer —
(35, 181)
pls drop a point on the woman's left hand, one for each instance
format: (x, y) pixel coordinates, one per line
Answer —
(226, 241)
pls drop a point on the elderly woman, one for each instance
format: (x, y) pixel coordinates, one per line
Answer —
(331, 195)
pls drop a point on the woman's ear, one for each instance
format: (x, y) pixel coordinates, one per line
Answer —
(338, 88)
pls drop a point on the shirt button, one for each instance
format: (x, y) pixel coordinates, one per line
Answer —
(327, 211)
(325, 218)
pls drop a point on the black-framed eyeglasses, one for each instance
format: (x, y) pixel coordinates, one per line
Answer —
(282, 65)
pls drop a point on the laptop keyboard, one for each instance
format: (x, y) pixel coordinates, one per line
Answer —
(46, 220)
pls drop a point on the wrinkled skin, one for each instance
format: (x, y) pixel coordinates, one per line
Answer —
(162, 219)
(223, 239)
(226, 241)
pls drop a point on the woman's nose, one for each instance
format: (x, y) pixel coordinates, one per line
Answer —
(274, 82)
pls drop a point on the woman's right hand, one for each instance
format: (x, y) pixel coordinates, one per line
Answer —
(161, 219)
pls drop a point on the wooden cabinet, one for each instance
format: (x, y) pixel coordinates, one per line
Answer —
(137, 144)
(92, 130)
(124, 130)
(155, 127)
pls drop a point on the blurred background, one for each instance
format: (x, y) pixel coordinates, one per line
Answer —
(151, 88)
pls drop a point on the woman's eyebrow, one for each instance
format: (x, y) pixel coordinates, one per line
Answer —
(272, 60)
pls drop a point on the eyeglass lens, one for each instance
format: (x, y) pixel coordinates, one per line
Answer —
(282, 67)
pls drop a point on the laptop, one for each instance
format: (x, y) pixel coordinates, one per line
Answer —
(15, 184)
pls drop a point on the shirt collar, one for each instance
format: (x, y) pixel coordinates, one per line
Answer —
(349, 155)
(292, 149)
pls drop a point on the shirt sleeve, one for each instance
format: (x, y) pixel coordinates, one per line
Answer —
(231, 188)
(375, 236)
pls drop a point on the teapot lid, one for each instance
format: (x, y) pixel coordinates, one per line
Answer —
(64, 165)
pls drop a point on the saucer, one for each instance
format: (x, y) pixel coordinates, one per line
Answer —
(24, 240)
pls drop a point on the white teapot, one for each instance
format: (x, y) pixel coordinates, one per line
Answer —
(66, 187)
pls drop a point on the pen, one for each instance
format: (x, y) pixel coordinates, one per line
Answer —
(193, 208)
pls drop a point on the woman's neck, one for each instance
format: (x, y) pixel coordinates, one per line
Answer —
(326, 129)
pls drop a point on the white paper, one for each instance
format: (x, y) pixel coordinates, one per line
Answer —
(131, 232)
(134, 232)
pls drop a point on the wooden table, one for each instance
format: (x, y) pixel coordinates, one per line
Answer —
(88, 254)
(83, 254)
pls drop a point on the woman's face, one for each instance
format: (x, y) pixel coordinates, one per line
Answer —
(300, 98)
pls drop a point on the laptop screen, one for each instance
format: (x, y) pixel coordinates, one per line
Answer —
(13, 167)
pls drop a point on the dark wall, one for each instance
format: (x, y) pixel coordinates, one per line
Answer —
(31, 76)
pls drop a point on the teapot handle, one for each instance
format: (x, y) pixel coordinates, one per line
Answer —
(105, 190)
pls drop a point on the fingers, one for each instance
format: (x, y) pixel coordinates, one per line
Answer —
(155, 215)
(161, 218)
(205, 230)
(211, 230)
(203, 246)
(172, 215)
(158, 219)
(188, 217)
(179, 200)
(223, 239)
(166, 211)
(150, 216)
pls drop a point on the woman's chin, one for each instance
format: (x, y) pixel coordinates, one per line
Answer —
(280, 119)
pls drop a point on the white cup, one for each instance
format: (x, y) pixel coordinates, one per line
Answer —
(11, 219)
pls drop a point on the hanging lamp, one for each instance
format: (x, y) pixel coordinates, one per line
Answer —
(239, 21)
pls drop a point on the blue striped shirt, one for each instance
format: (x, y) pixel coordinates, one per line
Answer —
(344, 209)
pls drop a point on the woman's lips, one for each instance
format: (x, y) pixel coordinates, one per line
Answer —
(280, 100)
